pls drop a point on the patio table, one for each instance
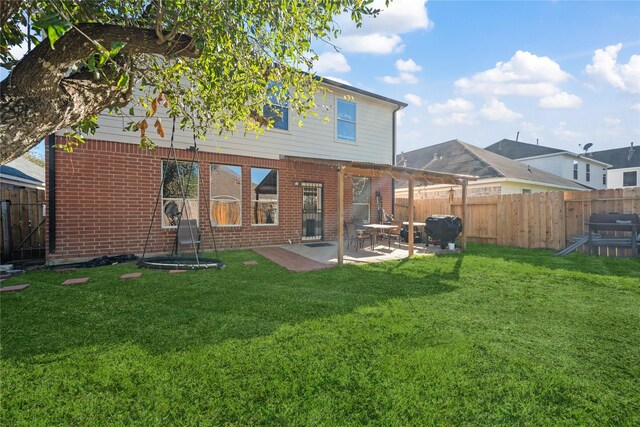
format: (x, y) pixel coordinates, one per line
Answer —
(377, 227)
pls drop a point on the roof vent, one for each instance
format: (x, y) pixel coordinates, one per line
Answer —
(630, 155)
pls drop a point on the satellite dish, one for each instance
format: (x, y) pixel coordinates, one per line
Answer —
(587, 146)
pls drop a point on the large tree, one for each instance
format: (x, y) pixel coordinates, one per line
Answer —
(211, 63)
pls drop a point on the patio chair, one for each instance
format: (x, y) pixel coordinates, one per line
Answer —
(355, 235)
(188, 234)
(394, 234)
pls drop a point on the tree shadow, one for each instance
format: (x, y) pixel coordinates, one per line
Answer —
(545, 258)
(164, 312)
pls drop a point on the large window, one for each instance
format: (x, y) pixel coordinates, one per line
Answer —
(630, 179)
(588, 172)
(575, 169)
(226, 195)
(180, 179)
(361, 207)
(278, 107)
(264, 196)
(346, 121)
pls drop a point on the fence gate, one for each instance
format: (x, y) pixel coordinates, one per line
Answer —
(22, 230)
(312, 226)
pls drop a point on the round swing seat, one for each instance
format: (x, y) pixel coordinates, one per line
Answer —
(180, 263)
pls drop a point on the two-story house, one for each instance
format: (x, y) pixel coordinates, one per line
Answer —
(584, 170)
(106, 196)
(625, 166)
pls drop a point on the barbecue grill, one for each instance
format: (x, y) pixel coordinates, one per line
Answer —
(442, 229)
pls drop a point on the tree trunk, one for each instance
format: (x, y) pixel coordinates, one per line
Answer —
(39, 98)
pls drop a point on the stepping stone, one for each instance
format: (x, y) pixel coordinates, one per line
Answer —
(4, 276)
(131, 276)
(250, 263)
(64, 270)
(14, 288)
(75, 281)
(176, 271)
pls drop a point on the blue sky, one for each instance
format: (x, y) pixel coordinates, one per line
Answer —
(561, 72)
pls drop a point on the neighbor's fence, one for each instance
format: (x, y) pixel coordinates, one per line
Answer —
(534, 220)
(22, 230)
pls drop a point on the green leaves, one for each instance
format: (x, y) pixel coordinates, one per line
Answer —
(54, 26)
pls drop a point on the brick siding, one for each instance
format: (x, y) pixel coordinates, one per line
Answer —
(106, 193)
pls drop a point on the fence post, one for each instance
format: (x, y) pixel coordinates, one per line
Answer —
(465, 226)
(6, 229)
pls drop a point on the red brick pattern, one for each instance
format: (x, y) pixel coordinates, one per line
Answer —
(106, 193)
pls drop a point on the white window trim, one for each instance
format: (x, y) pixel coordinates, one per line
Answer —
(211, 197)
(162, 198)
(277, 223)
(335, 117)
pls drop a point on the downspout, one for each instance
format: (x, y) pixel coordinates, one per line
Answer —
(51, 186)
(393, 160)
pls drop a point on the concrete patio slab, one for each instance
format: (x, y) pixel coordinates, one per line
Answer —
(291, 260)
(14, 288)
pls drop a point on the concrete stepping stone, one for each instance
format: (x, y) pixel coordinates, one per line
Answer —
(250, 263)
(14, 288)
(131, 276)
(75, 281)
(176, 271)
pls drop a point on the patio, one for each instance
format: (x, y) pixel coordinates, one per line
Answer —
(329, 254)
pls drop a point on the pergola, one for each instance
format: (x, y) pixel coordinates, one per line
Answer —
(374, 170)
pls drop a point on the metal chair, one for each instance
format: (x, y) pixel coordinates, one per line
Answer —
(188, 234)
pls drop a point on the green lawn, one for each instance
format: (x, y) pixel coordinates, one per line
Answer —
(494, 336)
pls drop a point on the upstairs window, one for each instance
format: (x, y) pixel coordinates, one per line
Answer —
(346, 121)
(629, 179)
(226, 195)
(264, 196)
(179, 178)
(588, 172)
(575, 169)
(361, 207)
(277, 109)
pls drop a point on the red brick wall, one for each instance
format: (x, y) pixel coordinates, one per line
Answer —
(106, 193)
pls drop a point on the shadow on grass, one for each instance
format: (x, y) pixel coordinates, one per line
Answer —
(579, 262)
(164, 312)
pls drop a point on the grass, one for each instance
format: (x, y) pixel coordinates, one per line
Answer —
(494, 336)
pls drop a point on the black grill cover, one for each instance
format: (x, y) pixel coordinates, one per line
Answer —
(444, 228)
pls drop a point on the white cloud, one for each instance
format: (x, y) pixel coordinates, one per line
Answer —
(496, 111)
(331, 61)
(399, 117)
(466, 119)
(338, 80)
(408, 66)
(605, 66)
(415, 120)
(381, 35)
(401, 78)
(562, 132)
(560, 100)
(611, 122)
(636, 106)
(414, 100)
(380, 44)
(525, 74)
(458, 105)
(529, 127)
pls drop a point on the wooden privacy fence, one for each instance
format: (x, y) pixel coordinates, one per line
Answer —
(22, 231)
(533, 220)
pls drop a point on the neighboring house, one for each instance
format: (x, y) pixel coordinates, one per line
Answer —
(497, 175)
(280, 187)
(579, 168)
(625, 166)
(21, 173)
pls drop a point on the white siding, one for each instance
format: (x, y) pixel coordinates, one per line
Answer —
(614, 178)
(562, 165)
(315, 139)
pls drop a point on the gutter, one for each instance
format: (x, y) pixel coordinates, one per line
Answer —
(51, 185)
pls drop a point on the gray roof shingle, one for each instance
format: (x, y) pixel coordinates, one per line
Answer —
(520, 150)
(24, 169)
(619, 158)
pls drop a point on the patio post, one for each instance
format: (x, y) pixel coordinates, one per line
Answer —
(340, 215)
(410, 229)
(464, 214)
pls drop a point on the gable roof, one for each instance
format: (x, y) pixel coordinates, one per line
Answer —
(520, 150)
(456, 156)
(619, 158)
(23, 170)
